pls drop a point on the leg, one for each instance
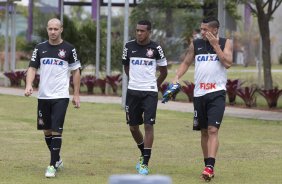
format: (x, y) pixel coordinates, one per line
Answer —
(48, 138)
(136, 134)
(204, 142)
(148, 142)
(55, 148)
(213, 142)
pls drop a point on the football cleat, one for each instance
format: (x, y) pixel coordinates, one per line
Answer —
(59, 165)
(50, 172)
(207, 174)
(143, 170)
(171, 91)
(137, 167)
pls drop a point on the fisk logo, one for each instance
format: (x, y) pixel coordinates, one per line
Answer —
(161, 52)
(52, 61)
(207, 86)
(210, 57)
(34, 53)
(74, 54)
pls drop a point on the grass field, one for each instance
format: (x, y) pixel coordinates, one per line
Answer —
(97, 144)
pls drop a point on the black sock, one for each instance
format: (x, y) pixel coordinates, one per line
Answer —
(210, 162)
(205, 160)
(147, 155)
(48, 140)
(55, 149)
(141, 147)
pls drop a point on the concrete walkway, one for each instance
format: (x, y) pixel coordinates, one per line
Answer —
(174, 106)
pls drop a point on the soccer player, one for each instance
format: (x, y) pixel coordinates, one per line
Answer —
(212, 56)
(141, 58)
(55, 58)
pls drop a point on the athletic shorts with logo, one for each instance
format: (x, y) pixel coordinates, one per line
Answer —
(141, 107)
(209, 109)
(51, 114)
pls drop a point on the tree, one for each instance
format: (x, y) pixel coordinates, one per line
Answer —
(263, 10)
(173, 22)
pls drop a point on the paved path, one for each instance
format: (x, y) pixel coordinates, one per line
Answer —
(174, 106)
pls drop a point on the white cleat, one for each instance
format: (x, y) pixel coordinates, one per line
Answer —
(59, 165)
(50, 172)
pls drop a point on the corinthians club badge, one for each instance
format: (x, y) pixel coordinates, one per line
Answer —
(62, 53)
(150, 53)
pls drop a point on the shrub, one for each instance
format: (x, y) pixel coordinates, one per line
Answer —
(248, 95)
(231, 89)
(188, 90)
(271, 96)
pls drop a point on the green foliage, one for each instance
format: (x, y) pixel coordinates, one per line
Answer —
(172, 21)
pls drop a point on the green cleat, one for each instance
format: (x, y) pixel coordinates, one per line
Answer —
(140, 162)
(50, 172)
(144, 170)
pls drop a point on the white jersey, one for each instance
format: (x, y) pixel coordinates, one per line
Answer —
(210, 74)
(143, 61)
(55, 63)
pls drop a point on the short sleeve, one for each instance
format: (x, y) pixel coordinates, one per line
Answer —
(74, 62)
(125, 58)
(35, 58)
(161, 59)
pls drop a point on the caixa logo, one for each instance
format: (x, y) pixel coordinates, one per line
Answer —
(51, 61)
(209, 57)
(142, 62)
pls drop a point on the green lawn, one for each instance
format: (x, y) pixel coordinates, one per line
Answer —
(97, 144)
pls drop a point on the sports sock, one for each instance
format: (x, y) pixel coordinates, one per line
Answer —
(210, 162)
(55, 149)
(141, 148)
(205, 160)
(147, 155)
(48, 140)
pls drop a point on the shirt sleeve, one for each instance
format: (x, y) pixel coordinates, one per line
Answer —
(161, 59)
(74, 62)
(125, 58)
(35, 58)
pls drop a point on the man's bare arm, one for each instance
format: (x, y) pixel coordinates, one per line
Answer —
(188, 60)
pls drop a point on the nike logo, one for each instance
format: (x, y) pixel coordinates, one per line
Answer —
(134, 51)
(200, 48)
(44, 51)
(152, 119)
(218, 123)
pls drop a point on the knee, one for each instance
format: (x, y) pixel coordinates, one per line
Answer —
(149, 128)
(56, 133)
(47, 132)
(134, 129)
(204, 133)
(212, 131)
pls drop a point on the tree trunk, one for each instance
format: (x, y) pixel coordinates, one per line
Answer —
(263, 22)
(169, 28)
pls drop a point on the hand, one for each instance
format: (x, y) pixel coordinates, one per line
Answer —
(171, 91)
(28, 91)
(76, 101)
(214, 40)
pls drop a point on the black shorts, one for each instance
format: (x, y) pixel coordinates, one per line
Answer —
(51, 114)
(209, 109)
(141, 107)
